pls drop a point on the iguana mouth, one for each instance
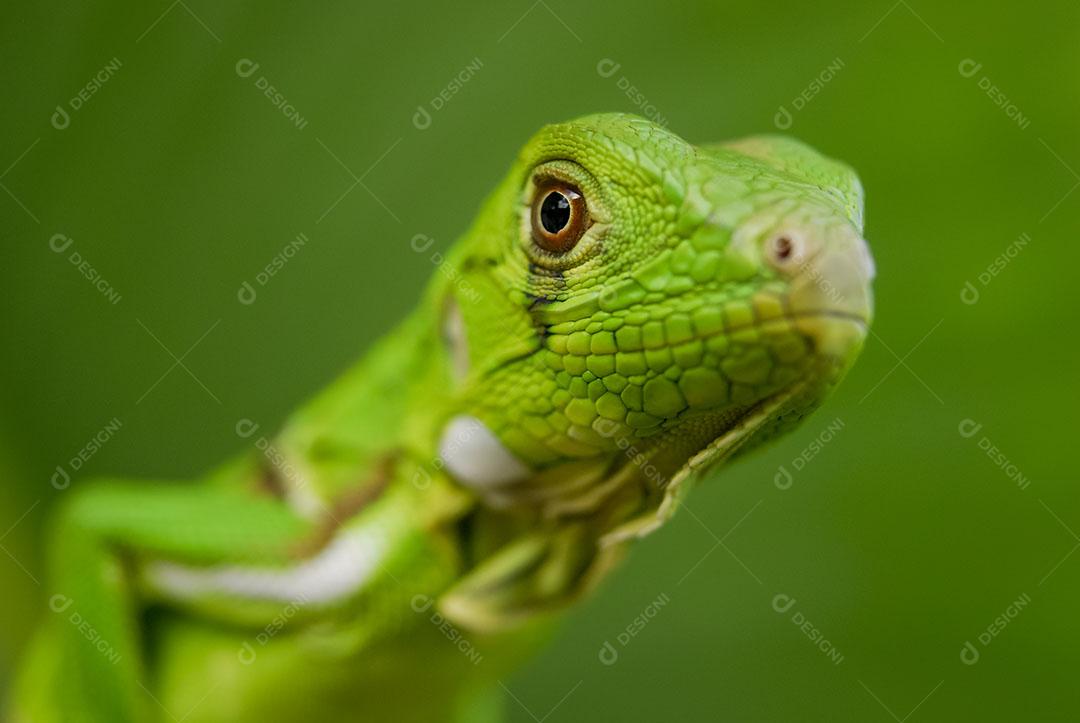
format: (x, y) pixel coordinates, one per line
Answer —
(794, 316)
(829, 313)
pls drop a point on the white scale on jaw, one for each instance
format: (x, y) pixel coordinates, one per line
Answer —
(476, 458)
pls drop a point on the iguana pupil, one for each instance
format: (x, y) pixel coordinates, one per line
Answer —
(555, 212)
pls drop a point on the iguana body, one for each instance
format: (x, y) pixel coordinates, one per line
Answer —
(627, 311)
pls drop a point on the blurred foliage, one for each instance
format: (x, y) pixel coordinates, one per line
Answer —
(178, 179)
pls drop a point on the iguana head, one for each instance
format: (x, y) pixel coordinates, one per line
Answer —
(630, 309)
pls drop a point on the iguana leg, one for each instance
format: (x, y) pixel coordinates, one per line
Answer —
(220, 557)
(88, 665)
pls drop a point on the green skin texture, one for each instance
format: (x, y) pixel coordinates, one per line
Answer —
(672, 338)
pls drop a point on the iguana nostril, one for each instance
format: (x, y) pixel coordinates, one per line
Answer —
(783, 248)
(787, 250)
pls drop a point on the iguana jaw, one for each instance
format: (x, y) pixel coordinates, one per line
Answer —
(754, 425)
(836, 332)
(706, 458)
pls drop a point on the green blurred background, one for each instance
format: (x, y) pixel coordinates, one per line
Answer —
(900, 540)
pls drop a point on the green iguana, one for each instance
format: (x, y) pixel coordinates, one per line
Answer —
(628, 312)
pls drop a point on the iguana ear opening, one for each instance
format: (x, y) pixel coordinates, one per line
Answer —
(485, 322)
(455, 338)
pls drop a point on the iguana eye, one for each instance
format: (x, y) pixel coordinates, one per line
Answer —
(559, 217)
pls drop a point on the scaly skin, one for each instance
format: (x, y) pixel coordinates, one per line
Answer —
(487, 462)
